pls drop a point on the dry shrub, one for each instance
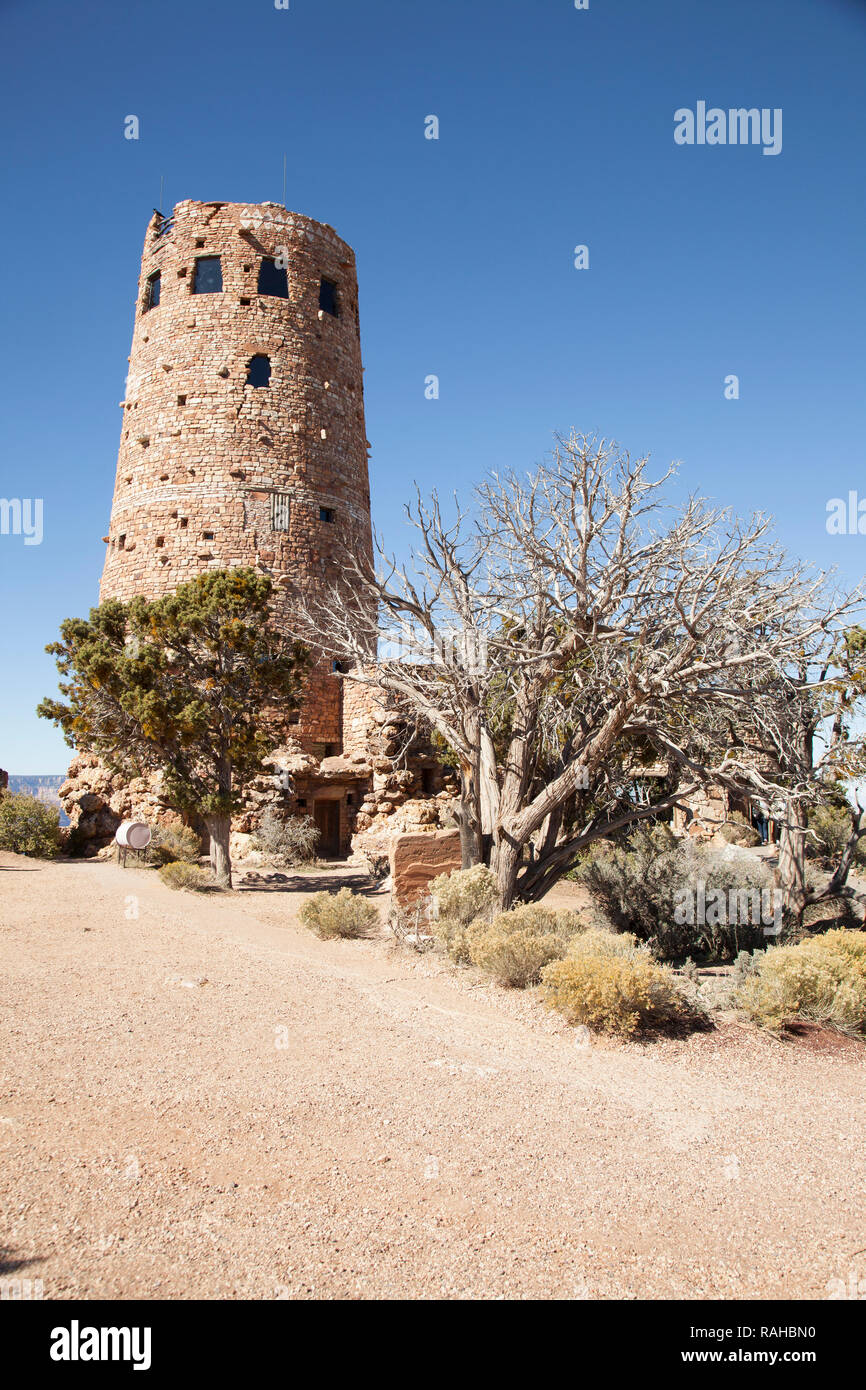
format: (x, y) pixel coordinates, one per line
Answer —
(173, 843)
(460, 898)
(611, 983)
(822, 979)
(345, 914)
(454, 937)
(598, 942)
(287, 840)
(638, 884)
(738, 831)
(194, 877)
(465, 895)
(829, 830)
(29, 826)
(516, 945)
(411, 925)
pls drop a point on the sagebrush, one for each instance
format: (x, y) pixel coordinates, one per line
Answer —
(174, 843)
(738, 831)
(344, 914)
(459, 898)
(515, 946)
(822, 979)
(465, 895)
(611, 983)
(194, 877)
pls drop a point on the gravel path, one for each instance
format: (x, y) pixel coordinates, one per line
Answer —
(199, 1099)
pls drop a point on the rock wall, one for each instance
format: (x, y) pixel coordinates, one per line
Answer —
(415, 860)
(97, 800)
(409, 788)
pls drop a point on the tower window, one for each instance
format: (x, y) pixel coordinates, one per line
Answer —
(328, 298)
(279, 511)
(427, 781)
(273, 280)
(259, 370)
(151, 291)
(340, 667)
(208, 275)
(326, 514)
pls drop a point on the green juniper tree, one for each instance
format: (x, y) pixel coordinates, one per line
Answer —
(190, 686)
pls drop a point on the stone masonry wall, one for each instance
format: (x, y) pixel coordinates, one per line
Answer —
(207, 463)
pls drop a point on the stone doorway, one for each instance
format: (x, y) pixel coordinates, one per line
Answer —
(326, 815)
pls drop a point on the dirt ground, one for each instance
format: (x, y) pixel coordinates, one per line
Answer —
(200, 1099)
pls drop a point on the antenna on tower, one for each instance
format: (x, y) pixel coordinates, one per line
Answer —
(284, 180)
(161, 188)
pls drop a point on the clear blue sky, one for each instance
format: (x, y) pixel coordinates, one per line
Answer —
(556, 130)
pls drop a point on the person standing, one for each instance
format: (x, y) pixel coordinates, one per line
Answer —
(761, 817)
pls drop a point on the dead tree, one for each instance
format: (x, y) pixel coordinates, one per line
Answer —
(568, 615)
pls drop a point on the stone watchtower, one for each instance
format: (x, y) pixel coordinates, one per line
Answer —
(243, 439)
(243, 444)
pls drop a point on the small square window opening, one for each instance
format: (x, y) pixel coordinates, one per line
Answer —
(273, 280)
(208, 275)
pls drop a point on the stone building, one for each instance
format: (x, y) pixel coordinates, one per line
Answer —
(243, 443)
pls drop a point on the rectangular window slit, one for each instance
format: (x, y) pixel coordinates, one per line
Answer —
(151, 291)
(279, 511)
(328, 298)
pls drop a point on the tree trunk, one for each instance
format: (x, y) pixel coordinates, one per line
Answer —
(219, 829)
(840, 874)
(505, 864)
(791, 873)
(469, 821)
(468, 843)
